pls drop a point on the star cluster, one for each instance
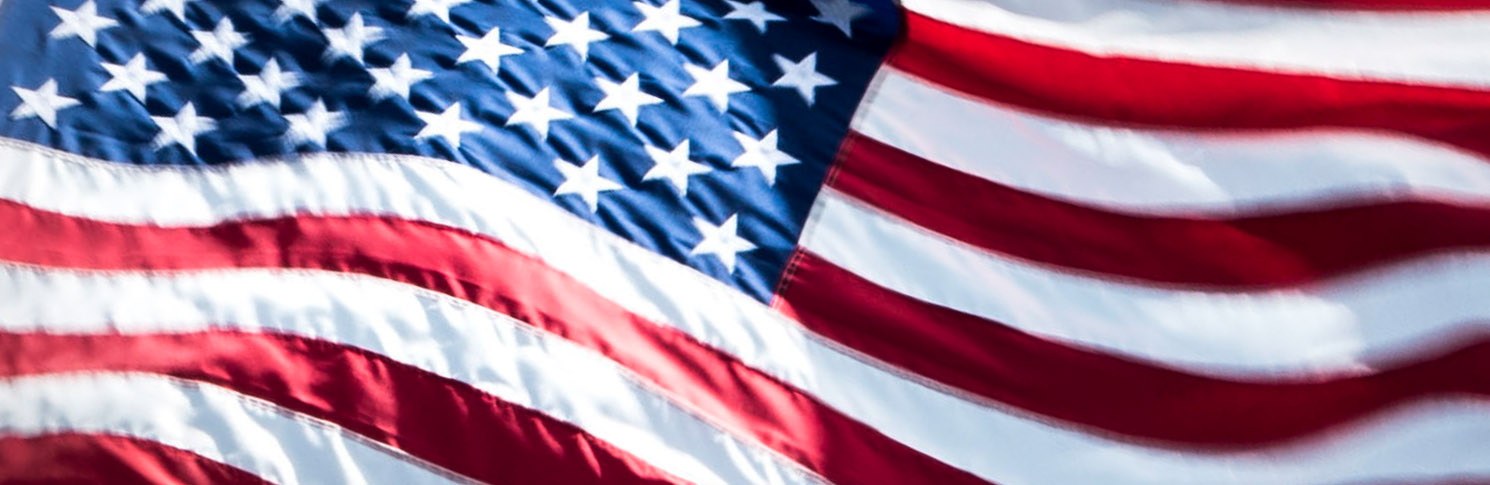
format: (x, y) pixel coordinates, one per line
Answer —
(700, 129)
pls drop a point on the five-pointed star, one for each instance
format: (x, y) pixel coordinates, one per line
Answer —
(753, 12)
(802, 76)
(627, 97)
(723, 241)
(182, 129)
(83, 23)
(535, 111)
(396, 79)
(447, 124)
(42, 102)
(839, 13)
(175, 7)
(488, 49)
(350, 39)
(266, 86)
(132, 77)
(673, 166)
(439, 8)
(218, 42)
(665, 20)
(313, 125)
(714, 84)
(762, 154)
(584, 181)
(576, 33)
(288, 9)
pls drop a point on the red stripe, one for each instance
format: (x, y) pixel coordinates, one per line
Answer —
(1147, 92)
(89, 458)
(480, 270)
(439, 420)
(1111, 395)
(1270, 250)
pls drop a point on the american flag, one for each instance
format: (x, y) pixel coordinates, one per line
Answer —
(721, 241)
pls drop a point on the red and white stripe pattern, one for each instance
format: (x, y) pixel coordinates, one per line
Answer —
(1174, 242)
(1070, 241)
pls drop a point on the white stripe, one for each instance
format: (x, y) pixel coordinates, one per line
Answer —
(256, 436)
(435, 332)
(957, 431)
(1337, 326)
(1163, 172)
(1444, 48)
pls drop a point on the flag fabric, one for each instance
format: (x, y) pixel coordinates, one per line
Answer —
(719, 241)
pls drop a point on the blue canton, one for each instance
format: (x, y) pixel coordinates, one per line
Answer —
(699, 129)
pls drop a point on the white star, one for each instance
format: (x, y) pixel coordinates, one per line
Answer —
(42, 102)
(396, 78)
(723, 241)
(267, 85)
(488, 49)
(350, 39)
(584, 181)
(182, 129)
(288, 9)
(313, 125)
(714, 84)
(753, 12)
(535, 111)
(626, 97)
(802, 76)
(762, 154)
(839, 13)
(447, 124)
(133, 77)
(438, 8)
(673, 166)
(218, 42)
(83, 22)
(175, 7)
(575, 33)
(665, 20)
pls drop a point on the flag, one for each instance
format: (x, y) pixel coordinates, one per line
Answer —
(720, 241)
